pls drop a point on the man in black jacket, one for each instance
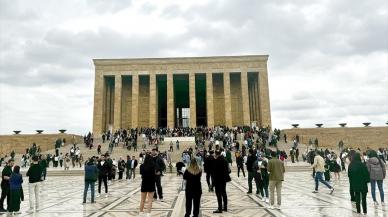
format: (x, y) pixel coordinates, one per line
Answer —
(103, 171)
(159, 168)
(221, 177)
(208, 168)
(251, 173)
(5, 187)
(34, 174)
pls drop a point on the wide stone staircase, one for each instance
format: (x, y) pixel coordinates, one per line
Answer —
(122, 152)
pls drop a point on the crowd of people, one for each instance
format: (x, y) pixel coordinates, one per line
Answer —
(257, 159)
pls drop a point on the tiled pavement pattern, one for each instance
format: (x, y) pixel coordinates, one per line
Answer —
(62, 196)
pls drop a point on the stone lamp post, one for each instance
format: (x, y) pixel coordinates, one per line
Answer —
(366, 124)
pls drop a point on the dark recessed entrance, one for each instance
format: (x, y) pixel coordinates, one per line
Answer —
(181, 100)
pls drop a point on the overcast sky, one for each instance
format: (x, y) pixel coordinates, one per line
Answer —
(328, 60)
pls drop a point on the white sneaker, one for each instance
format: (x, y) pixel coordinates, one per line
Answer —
(266, 200)
(148, 214)
(141, 214)
(382, 204)
(271, 207)
(263, 199)
(98, 195)
(375, 203)
(106, 195)
(277, 207)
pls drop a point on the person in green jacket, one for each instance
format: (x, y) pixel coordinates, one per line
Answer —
(359, 177)
(91, 174)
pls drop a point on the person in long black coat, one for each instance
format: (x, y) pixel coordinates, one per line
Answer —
(221, 177)
(193, 194)
(358, 178)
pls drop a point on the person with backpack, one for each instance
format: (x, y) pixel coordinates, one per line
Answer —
(91, 174)
(377, 172)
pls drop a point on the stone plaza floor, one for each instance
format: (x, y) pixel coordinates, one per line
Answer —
(62, 196)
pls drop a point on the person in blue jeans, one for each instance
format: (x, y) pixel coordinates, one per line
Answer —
(91, 173)
(319, 166)
(377, 173)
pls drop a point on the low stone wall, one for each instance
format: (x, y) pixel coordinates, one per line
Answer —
(19, 143)
(373, 137)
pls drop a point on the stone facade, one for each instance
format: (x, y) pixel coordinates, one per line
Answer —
(356, 137)
(19, 143)
(127, 91)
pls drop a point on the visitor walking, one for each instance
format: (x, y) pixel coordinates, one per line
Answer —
(240, 163)
(251, 172)
(103, 171)
(5, 186)
(319, 167)
(34, 174)
(359, 177)
(276, 177)
(159, 168)
(221, 177)
(91, 173)
(148, 176)
(208, 168)
(16, 191)
(193, 189)
(377, 172)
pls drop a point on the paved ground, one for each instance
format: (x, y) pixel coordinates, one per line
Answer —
(62, 196)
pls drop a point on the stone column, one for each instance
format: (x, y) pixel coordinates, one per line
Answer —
(135, 99)
(228, 102)
(265, 111)
(153, 104)
(98, 113)
(209, 99)
(117, 103)
(170, 100)
(193, 109)
(256, 99)
(245, 97)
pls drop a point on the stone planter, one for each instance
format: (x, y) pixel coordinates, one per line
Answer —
(39, 131)
(342, 124)
(295, 125)
(62, 131)
(17, 132)
(366, 124)
(319, 125)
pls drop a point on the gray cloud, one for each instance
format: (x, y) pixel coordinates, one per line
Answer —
(328, 59)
